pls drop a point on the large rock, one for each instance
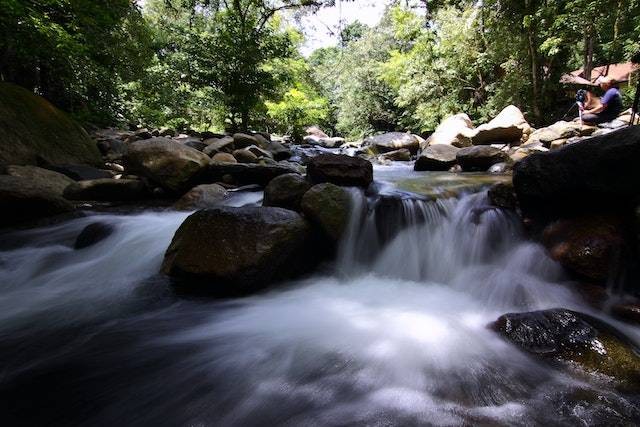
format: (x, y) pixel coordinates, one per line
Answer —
(172, 165)
(34, 131)
(592, 246)
(244, 140)
(245, 155)
(575, 340)
(601, 170)
(455, 130)
(324, 142)
(93, 234)
(247, 174)
(507, 127)
(22, 200)
(108, 190)
(286, 191)
(316, 131)
(401, 155)
(438, 157)
(480, 158)
(81, 172)
(393, 141)
(215, 145)
(202, 197)
(328, 207)
(236, 250)
(340, 169)
(43, 178)
(278, 151)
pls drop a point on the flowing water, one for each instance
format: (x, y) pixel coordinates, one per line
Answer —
(394, 333)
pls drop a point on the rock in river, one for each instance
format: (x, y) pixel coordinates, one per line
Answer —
(108, 190)
(235, 251)
(340, 169)
(328, 206)
(393, 141)
(168, 163)
(286, 191)
(438, 157)
(574, 339)
(480, 158)
(201, 197)
(43, 178)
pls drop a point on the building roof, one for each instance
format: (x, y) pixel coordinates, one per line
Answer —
(619, 72)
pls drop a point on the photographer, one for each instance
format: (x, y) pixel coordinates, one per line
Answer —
(607, 108)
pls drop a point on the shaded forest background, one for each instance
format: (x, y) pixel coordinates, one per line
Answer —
(236, 64)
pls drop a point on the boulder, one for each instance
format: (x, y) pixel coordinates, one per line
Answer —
(202, 197)
(393, 141)
(278, 151)
(169, 164)
(92, 234)
(340, 169)
(43, 178)
(328, 207)
(316, 131)
(196, 144)
(107, 190)
(503, 196)
(247, 174)
(437, 157)
(244, 140)
(22, 200)
(143, 133)
(81, 172)
(575, 340)
(235, 251)
(501, 168)
(602, 169)
(245, 156)
(591, 246)
(35, 132)
(324, 142)
(507, 127)
(224, 158)
(286, 191)
(401, 155)
(480, 158)
(215, 145)
(259, 152)
(455, 130)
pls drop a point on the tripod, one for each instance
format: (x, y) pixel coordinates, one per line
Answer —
(634, 108)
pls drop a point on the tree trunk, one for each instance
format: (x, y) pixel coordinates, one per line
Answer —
(245, 120)
(535, 81)
(588, 53)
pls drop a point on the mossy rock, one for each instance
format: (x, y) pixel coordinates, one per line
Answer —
(33, 131)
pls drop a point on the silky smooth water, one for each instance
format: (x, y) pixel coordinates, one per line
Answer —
(394, 333)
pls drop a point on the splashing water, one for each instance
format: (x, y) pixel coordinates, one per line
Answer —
(396, 336)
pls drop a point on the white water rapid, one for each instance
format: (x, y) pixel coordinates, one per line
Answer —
(394, 334)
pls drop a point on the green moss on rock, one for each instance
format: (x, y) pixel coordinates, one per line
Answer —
(33, 130)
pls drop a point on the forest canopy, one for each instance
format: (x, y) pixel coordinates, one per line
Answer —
(237, 64)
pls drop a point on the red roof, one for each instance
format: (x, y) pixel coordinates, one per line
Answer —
(619, 72)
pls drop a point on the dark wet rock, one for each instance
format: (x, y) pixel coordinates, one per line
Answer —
(278, 151)
(592, 246)
(81, 172)
(23, 200)
(196, 144)
(112, 148)
(286, 191)
(574, 339)
(171, 165)
(340, 169)
(34, 132)
(202, 197)
(602, 170)
(629, 312)
(246, 174)
(328, 206)
(480, 158)
(108, 190)
(143, 133)
(235, 251)
(42, 178)
(393, 141)
(92, 234)
(503, 196)
(438, 157)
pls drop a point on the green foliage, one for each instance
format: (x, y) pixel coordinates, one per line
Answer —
(298, 109)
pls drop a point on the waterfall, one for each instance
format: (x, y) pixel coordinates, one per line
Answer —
(395, 334)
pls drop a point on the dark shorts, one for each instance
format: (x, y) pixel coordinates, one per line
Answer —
(597, 118)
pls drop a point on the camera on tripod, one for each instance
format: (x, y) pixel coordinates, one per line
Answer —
(581, 96)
